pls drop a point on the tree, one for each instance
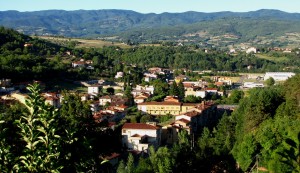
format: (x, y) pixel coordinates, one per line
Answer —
(235, 97)
(181, 90)
(192, 99)
(110, 90)
(174, 89)
(129, 96)
(270, 82)
(130, 164)
(38, 132)
(96, 60)
(291, 154)
(145, 118)
(144, 166)
(129, 167)
(121, 168)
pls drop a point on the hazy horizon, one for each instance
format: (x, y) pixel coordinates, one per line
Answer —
(148, 12)
(153, 6)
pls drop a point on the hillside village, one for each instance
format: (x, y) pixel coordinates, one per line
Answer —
(189, 107)
(108, 103)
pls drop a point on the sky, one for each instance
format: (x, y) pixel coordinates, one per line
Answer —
(152, 6)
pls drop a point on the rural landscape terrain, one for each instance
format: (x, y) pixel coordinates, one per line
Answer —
(117, 91)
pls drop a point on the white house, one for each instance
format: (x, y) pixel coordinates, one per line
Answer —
(279, 76)
(119, 75)
(139, 136)
(252, 85)
(53, 99)
(79, 64)
(251, 50)
(94, 89)
(201, 93)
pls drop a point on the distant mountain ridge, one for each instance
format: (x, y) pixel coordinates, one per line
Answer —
(93, 23)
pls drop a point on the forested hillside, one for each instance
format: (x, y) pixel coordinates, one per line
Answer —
(145, 28)
(25, 58)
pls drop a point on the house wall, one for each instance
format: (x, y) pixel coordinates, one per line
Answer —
(153, 137)
(102, 102)
(190, 91)
(279, 76)
(160, 109)
(92, 90)
(201, 94)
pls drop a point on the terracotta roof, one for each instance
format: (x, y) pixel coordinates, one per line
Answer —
(112, 156)
(161, 103)
(79, 62)
(105, 97)
(211, 88)
(140, 97)
(190, 114)
(184, 120)
(189, 104)
(188, 85)
(139, 126)
(219, 83)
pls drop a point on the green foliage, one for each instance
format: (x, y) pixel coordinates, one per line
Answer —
(245, 154)
(181, 90)
(291, 154)
(129, 96)
(121, 167)
(38, 132)
(144, 166)
(235, 97)
(270, 82)
(74, 111)
(6, 156)
(146, 118)
(128, 167)
(110, 91)
(164, 118)
(174, 91)
(262, 127)
(162, 160)
(192, 99)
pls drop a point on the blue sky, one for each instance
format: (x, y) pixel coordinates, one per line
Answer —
(156, 6)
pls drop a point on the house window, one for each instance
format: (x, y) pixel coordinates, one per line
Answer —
(124, 131)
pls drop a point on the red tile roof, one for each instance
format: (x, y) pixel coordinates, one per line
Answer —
(184, 120)
(161, 103)
(112, 156)
(211, 89)
(190, 114)
(139, 126)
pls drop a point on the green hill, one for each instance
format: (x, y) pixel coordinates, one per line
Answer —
(138, 27)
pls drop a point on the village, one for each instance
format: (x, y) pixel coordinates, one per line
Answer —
(112, 106)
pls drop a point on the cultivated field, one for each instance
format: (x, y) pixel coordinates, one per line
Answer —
(274, 59)
(84, 42)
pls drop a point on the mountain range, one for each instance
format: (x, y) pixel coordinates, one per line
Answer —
(141, 27)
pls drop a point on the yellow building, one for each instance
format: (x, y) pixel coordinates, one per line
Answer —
(169, 106)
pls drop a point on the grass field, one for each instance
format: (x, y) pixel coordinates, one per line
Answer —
(274, 59)
(85, 42)
(65, 85)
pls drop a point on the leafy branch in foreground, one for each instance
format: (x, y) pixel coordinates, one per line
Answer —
(38, 132)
